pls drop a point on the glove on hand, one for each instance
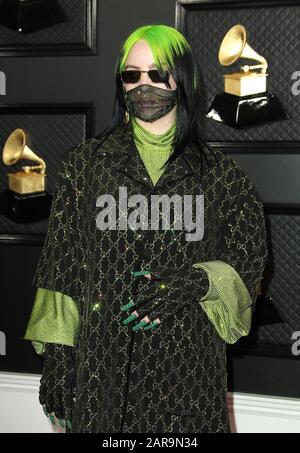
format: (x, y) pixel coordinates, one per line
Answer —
(165, 294)
(57, 388)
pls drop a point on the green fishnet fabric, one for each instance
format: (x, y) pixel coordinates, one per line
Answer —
(54, 319)
(227, 303)
(154, 149)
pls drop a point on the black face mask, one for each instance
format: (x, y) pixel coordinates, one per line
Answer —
(150, 103)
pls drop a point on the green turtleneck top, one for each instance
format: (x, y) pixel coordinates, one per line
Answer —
(154, 149)
(55, 317)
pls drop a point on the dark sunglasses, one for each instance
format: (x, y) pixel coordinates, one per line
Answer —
(133, 76)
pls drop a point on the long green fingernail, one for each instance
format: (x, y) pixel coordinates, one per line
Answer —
(130, 318)
(153, 325)
(68, 424)
(127, 306)
(140, 273)
(45, 412)
(61, 422)
(139, 325)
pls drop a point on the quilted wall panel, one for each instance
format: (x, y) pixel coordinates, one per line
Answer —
(273, 32)
(282, 280)
(69, 32)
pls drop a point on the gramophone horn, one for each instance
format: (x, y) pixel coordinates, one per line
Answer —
(234, 46)
(15, 148)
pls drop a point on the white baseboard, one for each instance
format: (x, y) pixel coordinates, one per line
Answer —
(251, 413)
(21, 412)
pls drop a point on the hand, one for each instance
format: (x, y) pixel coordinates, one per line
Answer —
(165, 294)
(57, 388)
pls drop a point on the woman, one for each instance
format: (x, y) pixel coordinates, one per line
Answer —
(133, 321)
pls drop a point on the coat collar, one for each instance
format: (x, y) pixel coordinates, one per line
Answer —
(120, 146)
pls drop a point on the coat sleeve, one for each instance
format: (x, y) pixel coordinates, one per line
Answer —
(234, 277)
(54, 316)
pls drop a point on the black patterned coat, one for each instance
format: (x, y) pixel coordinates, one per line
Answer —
(172, 379)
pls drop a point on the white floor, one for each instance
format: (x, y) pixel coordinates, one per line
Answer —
(21, 412)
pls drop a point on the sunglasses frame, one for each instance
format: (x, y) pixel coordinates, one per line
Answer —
(156, 71)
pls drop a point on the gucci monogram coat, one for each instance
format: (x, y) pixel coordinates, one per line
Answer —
(172, 378)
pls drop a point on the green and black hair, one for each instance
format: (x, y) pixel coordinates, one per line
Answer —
(166, 44)
(170, 51)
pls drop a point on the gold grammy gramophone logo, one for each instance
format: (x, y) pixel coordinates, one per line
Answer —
(26, 199)
(245, 101)
(26, 181)
(247, 81)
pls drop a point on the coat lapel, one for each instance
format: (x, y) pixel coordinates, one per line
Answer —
(121, 147)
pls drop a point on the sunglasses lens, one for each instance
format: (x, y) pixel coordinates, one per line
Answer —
(130, 76)
(155, 75)
(159, 76)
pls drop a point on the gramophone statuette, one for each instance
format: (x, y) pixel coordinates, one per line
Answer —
(245, 101)
(26, 181)
(26, 199)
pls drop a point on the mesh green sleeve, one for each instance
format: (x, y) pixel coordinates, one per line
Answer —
(240, 257)
(227, 303)
(54, 319)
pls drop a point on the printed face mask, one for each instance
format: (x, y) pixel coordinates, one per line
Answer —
(150, 103)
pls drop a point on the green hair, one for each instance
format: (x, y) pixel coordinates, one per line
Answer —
(164, 41)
